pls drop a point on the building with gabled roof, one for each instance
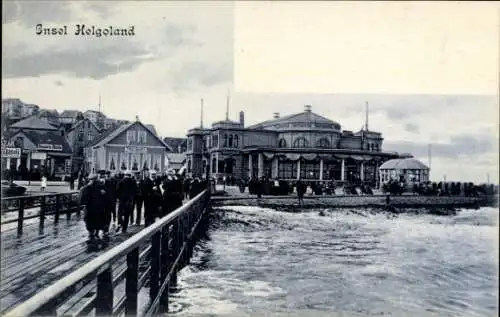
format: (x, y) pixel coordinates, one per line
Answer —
(32, 123)
(178, 145)
(131, 146)
(303, 145)
(81, 134)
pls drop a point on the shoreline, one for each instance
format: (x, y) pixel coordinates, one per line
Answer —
(343, 201)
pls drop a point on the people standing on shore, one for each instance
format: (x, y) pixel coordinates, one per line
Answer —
(301, 189)
(125, 192)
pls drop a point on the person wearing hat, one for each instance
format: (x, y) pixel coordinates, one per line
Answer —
(111, 183)
(125, 192)
(95, 200)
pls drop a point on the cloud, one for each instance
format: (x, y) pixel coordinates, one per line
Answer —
(30, 13)
(412, 128)
(59, 83)
(468, 145)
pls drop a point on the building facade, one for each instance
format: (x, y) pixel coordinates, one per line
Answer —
(408, 171)
(80, 135)
(130, 146)
(300, 146)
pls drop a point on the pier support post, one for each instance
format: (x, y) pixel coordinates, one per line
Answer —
(362, 171)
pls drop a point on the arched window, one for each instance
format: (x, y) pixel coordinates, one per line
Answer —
(225, 140)
(236, 141)
(376, 147)
(230, 140)
(323, 143)
(300, 142)
(214, 164)
(282, 143)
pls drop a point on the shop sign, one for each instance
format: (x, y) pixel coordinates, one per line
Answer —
(50, 147)
(38, 156)
(136, 149)
(11, 152)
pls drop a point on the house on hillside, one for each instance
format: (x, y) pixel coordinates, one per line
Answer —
(49, 116)
(132, 146)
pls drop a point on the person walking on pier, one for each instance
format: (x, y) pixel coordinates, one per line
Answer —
(125, 192)
(140, 197)
(146, 188)
(95, 200)
(43, 183)
(111, 183)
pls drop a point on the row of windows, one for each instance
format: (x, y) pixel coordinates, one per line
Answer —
(81, 134)
(303, 143)
(136, 136)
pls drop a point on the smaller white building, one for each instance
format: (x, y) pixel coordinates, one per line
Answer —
(406, 170)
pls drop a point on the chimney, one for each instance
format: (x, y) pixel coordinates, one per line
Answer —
(276, 115)
(307, 108)
(242, 118)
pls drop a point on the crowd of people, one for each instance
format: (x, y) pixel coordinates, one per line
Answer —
(111, 200)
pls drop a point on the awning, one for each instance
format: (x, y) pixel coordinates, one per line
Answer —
(326, 157)
(357, 157)
(268, 155)
(309, 157)
(341, 156)
(292, 157)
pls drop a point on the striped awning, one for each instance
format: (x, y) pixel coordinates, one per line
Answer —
(268, 155)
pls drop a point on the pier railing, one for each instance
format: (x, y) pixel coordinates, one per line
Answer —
(39, 206)
(162, 248)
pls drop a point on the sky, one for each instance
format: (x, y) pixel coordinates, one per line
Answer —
(429, 72)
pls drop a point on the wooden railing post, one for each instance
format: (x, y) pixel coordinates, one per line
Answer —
(165, 267)
(131, 284)
(42, 212)
(155, 266)
(20, 216)
(104, 296)
(58, 209)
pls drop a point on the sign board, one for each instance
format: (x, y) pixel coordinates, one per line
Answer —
(136, 149)
(50, 147)
(38, 156)
(11, 152)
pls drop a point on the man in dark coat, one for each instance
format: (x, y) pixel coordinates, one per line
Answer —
(111, 183)
(301, 190)
(172, 193)
(195, 188)
(140, 198)
(95, 200)
(125, 192)
(150, 211)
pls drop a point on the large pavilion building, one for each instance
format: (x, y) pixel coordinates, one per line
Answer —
(304, 145)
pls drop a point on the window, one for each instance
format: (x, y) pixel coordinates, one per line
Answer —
(214, 164)
(130, 136)
(89, 136)
(230, 141)
(215, 140)
(309, 170)
(376, 147)
(300, 143)
(225, 141)
(19, 142)
(287, 170)
(323, 143)
(236, 141)
(142, 135)
(80, 135)
(190, 144)
(189, 166)
(282, 143)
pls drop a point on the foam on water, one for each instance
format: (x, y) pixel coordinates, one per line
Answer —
(263, 262)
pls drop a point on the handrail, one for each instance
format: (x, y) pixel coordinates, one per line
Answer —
(40, 195)
(99, 264)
